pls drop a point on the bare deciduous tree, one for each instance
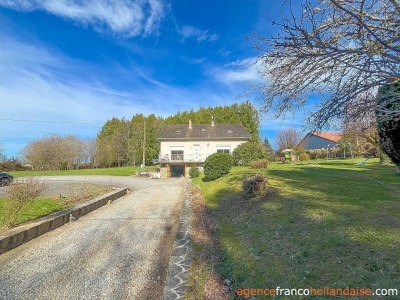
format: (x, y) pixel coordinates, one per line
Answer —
(289, 138)
(91, 152)
(362, 133)
(2, 156)
(341, 50)
(54, 152)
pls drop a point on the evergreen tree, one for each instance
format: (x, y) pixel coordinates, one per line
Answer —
(120, 142)
(267, 147)
(107, 141)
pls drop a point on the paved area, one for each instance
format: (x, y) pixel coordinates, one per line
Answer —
(120, 251)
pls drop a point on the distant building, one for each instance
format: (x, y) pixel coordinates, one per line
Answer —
(185, 144)
(320, 140)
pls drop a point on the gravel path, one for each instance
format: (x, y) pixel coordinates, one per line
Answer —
(119, 251)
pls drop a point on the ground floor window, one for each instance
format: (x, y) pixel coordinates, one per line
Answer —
(224, 150)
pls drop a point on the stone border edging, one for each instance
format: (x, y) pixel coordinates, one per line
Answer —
(176, 283)
(19, 235)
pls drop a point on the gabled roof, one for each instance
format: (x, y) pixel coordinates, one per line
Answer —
(204, 131)
(330, 136)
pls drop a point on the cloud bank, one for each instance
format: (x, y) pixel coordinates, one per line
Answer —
(122, 17)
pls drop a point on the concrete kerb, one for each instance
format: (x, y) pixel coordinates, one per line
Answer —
(176, 283)
(21, 234)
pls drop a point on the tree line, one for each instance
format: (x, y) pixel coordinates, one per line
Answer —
(120, 141)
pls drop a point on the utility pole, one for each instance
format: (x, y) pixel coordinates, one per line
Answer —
(128, 146)
(144, 145)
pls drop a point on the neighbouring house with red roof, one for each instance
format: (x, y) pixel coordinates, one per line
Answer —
(320, 140)
(186, 144)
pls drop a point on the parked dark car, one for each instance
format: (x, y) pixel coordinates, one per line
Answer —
(5, 179)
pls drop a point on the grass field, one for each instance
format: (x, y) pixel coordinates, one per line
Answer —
(122, 171)
(328, 223)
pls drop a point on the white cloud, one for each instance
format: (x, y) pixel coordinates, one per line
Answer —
(189, 32)
(121, 17)
(239, 71)
(269, 123)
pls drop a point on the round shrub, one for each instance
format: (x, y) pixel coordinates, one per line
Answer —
(248, 152)
(217, 165)
(304, 157)
(194, 171)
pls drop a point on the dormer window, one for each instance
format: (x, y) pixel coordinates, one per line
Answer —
(178, 131)
(229, 131)
(203, 130)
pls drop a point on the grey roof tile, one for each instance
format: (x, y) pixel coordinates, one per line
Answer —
(204, 131)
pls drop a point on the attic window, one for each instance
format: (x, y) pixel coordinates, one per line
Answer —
(230, 131)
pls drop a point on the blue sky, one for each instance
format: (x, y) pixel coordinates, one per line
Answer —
(66, 66)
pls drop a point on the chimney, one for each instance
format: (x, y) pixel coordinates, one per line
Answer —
(212, 121)
(190, 124)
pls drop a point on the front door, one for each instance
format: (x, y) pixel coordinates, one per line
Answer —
(196, 152)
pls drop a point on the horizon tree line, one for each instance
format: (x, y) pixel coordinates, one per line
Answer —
(120, 141)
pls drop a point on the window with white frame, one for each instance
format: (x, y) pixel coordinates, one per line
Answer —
(177, 152)
(224, 149)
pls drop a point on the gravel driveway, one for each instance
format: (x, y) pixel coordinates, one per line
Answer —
(119, 251)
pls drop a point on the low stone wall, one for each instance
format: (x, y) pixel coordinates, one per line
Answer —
(21, 234)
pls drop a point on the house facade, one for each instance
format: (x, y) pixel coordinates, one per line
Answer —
(183, 145)
(321, 140)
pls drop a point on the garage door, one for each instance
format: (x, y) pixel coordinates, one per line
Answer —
(177, 170)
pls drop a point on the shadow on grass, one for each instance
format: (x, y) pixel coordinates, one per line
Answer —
(316, 238)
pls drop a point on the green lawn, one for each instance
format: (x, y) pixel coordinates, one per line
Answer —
(122, 171)
(42, 206)
(328, 223)
(38, 208)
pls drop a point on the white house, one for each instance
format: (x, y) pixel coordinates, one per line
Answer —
(185, 144)
(320, 140)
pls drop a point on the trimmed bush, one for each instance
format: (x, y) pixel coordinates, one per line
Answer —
(217, 165)
(254, 185)
(247, 152)
(194, 171)
(304, 157)
(259, 164)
